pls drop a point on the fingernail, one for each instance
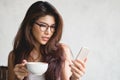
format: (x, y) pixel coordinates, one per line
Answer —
(24, 61)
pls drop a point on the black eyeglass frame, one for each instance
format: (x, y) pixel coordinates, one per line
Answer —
(46, 26)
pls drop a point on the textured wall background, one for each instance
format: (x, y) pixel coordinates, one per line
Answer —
(91, 23)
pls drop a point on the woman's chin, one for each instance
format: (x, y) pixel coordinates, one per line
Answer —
(44, 42)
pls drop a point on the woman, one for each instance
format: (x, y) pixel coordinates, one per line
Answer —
(37, 40)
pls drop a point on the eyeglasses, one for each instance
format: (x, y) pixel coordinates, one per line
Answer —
(44, 26)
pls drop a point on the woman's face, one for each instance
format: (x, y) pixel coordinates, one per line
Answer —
(43, 29)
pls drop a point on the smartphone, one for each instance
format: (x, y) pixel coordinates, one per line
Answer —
(83, 53)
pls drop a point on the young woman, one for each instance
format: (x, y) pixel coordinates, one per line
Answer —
(37, 40)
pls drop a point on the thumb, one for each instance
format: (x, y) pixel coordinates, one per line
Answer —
(24, 62)
(85, 59)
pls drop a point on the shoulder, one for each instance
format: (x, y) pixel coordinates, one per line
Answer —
(11, 75)
(67, 50)
(11, 58)
(11, 55)
(65, 47)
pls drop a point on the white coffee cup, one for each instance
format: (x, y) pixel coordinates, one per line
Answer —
(37, 68)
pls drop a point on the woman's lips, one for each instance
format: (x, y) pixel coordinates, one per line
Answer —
(45, 38)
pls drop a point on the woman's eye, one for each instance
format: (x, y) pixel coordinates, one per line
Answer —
(42, 25)
(52, 26)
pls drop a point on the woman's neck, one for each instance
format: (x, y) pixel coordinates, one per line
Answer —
(35, 54)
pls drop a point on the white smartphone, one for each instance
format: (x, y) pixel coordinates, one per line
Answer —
(83, 53)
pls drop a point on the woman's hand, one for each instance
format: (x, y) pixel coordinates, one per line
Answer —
(78, 69)
(20, 70)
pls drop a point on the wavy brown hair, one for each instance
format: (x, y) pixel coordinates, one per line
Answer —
(52, 52)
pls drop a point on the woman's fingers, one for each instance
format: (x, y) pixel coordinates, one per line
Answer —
(80, 65)
(85, 60)
(77, 75)
(74, 69)
(78, 68)
(80, 71)
(80, 62)
(24, 61)
(20, 70)
(21, 75)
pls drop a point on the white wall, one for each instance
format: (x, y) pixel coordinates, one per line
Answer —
(91, 23)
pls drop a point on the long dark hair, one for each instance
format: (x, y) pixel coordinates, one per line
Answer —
(52, 52)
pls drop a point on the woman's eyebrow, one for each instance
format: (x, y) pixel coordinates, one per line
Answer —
(46, 23)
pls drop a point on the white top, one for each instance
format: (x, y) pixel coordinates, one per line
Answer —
(36, 77)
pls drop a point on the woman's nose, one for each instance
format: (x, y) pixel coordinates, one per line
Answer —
(48, 31)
